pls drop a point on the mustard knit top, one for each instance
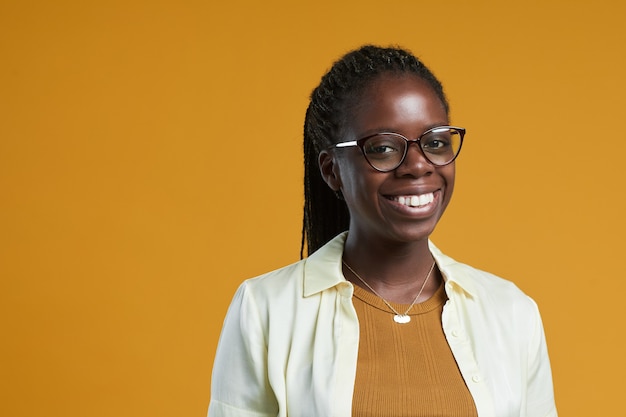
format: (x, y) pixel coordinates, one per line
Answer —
(406, 369)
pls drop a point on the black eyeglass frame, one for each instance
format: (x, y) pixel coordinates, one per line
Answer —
(359, 143)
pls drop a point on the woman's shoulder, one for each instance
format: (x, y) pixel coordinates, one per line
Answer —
(321, 269)
(480, 284)
(279, 278)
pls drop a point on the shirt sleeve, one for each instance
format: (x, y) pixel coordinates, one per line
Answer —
(239, 384)
(540, 392)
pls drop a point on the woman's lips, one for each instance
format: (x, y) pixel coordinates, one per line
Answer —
(416, 200)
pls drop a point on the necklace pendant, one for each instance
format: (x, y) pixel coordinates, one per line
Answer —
(402, 318)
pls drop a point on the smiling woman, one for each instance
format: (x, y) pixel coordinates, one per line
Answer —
(377, 321)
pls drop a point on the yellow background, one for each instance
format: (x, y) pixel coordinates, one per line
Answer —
(150, 160)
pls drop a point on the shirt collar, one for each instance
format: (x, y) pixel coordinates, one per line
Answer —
(454, 273)
(323, 269)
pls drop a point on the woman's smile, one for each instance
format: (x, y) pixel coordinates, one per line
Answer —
(415, 200)
(416, 206)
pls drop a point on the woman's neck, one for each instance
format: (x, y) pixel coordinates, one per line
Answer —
(396, 271)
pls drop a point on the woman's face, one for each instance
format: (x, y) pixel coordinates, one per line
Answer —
(383, 205)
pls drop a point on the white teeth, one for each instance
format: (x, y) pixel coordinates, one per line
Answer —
(416, 200)
(425, 199)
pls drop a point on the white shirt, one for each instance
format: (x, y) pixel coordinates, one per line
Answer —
(290, 340)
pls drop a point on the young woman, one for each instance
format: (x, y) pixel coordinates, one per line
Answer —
(377, 321)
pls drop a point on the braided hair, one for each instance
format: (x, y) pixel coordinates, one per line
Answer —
(325, 212)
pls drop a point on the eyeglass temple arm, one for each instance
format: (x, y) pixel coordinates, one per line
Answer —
(346, 144)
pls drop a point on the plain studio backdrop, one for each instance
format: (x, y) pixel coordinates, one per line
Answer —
(150, 160)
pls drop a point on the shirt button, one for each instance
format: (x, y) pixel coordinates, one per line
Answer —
(476, 378)
(455, 333)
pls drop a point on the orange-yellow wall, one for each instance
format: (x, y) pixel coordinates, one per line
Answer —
(150, 161)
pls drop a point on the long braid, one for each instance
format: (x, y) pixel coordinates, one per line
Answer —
(326, 215)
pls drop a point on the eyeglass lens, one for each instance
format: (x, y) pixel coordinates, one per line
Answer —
(386, 151)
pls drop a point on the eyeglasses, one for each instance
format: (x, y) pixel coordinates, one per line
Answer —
(386, 151)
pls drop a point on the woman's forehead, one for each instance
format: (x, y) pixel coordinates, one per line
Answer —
(392, 100)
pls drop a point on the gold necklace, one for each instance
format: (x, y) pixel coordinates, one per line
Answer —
(398, 318)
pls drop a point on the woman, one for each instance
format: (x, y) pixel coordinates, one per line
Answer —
(377, 321)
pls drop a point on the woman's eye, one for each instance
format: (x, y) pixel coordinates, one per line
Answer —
(436, 144)
(381, 149)
(381, 146)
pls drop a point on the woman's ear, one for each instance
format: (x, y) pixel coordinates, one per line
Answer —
(329, 169)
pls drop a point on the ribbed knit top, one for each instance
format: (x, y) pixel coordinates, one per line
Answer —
(406, 369)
